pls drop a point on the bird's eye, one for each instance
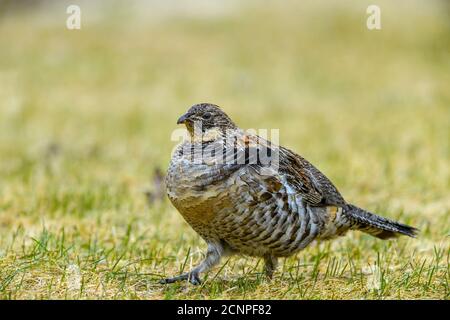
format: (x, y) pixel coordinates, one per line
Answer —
(207, 115)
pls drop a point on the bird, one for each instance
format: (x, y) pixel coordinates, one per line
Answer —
(244, 204)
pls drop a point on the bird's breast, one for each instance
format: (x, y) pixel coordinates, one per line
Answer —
(198, 189)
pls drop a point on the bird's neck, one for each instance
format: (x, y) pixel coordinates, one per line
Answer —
(209, 135)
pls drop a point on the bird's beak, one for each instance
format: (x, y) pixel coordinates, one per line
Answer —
(183, 118)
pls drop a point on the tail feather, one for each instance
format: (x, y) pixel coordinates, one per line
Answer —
(377, 226)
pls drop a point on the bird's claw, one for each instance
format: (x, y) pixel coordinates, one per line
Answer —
(191, 277)
(195, 279)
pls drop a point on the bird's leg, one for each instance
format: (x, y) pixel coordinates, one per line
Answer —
(213, 255)
(270, 266)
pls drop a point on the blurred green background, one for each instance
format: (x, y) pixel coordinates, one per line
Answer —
(86, 117)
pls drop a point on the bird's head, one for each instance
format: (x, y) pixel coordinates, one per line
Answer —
(206, 117)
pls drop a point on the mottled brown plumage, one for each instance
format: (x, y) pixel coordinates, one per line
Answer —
(239, 203)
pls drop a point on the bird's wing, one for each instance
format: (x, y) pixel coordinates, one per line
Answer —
(308, 181)
(303, 178)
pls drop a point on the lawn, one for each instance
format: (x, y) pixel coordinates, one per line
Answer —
(86, 118)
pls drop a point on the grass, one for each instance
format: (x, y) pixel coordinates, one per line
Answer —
(86, 118)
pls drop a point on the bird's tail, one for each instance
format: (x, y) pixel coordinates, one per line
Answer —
(377, 226)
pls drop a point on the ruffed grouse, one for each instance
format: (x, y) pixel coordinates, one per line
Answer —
(240, 204)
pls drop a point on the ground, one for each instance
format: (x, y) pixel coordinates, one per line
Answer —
(86, 118)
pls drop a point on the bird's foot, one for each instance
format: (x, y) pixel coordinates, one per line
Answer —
(192, 277)
(270, 267)
(269, 276)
